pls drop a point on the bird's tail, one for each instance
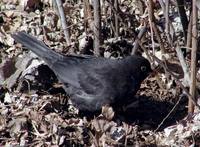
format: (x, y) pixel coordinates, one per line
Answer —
(38, 47)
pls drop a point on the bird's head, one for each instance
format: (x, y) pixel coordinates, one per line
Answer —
(139, 67)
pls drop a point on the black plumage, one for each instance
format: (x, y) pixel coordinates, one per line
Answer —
(91, 81)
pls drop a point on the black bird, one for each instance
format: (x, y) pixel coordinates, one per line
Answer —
(90, 81)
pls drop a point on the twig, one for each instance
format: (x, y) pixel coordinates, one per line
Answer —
(153, 25)
(63, 21)
(183, 17)
(189, 33)
(116, 5)
(88, 15)
(190, 97)
(140, 35)
(193, 56)
(97, 27)
(172, 110)
(121, 15)
(183, 65)
(165, 8)
(168, 23)
(149, 55)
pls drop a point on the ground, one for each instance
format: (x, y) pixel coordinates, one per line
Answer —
(35, 110)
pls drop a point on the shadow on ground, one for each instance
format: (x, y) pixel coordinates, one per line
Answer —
(150, 113)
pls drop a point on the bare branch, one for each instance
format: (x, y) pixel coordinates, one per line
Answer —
(183, 65)
(193, 57)
(97, 26)
(63, 21)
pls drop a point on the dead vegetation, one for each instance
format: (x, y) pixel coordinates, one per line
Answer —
(35, 110)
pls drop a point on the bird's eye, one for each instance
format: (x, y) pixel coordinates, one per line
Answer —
(143, 68)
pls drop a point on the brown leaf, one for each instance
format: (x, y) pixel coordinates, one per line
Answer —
(108, 112)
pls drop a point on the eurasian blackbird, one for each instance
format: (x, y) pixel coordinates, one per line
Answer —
(91, 81)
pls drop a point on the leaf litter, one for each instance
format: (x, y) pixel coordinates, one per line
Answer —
(35, 110)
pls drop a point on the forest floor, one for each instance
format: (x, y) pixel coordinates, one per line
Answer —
(35, 110)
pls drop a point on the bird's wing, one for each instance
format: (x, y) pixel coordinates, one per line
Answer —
(97, 78)
(91, 83)
(94, 91)
(72, 69)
